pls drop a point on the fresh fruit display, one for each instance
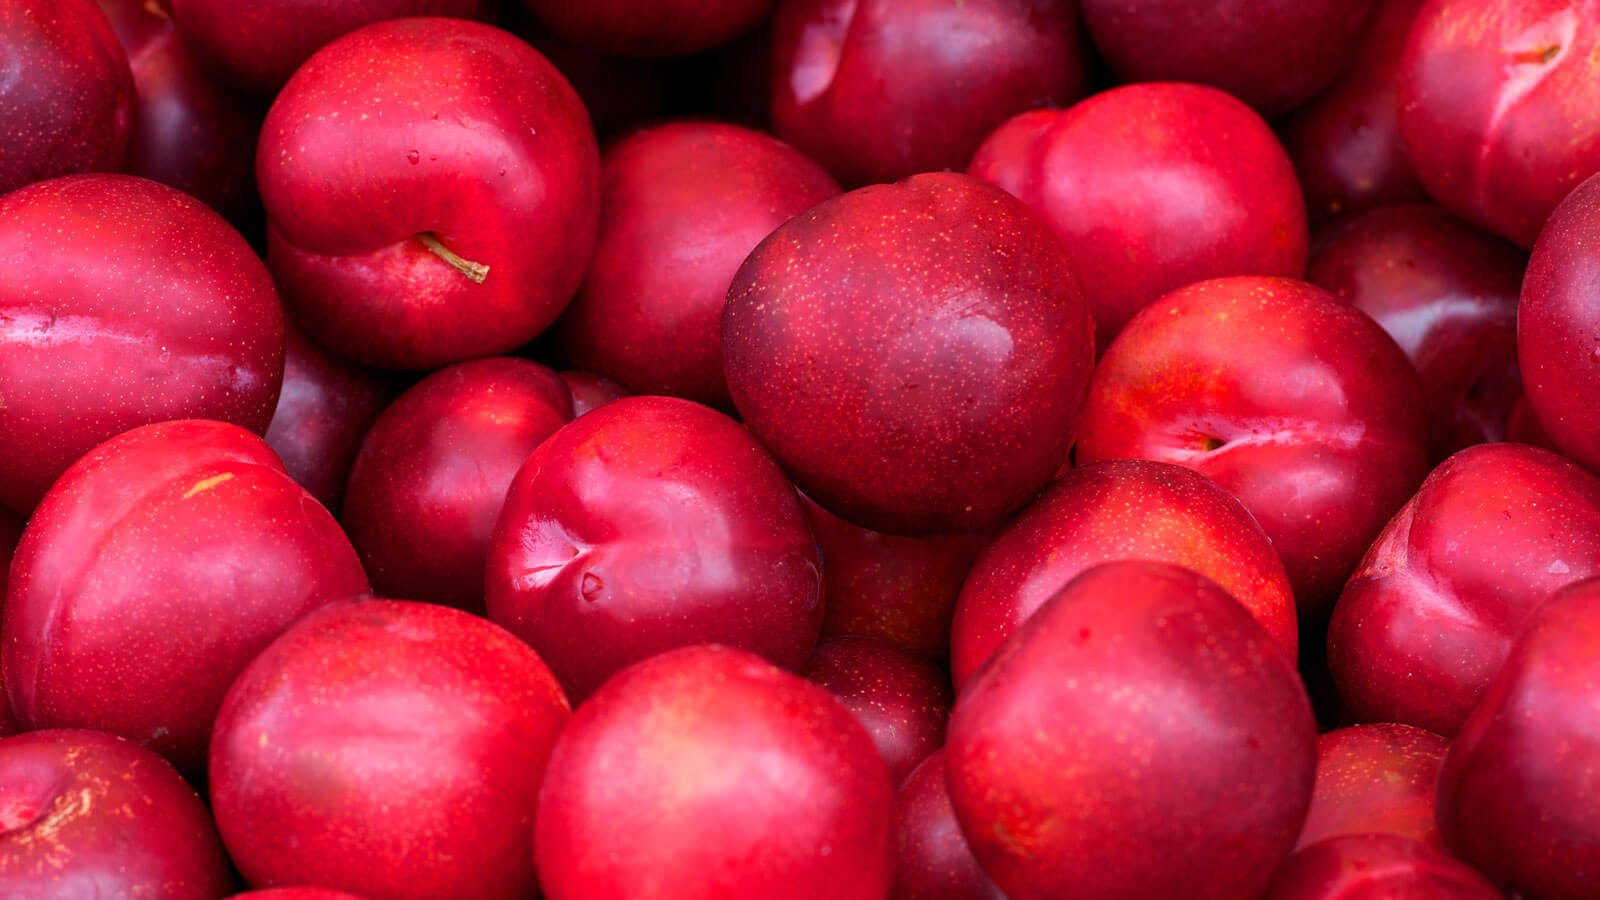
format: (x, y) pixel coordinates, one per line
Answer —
(813, 449)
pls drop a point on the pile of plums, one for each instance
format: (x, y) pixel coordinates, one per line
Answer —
(797, 449)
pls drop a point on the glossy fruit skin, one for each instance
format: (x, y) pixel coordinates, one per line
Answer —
(10, 534)
(591, 391)
(915, 355)
(877, 90)
(324, 410)
(1558, 326)
(1375, 779)
(1272, 54)
(1122, 509)
(649, 524)
(192, 133)
(126, 303)
(707, 772)
(294, 893)
(1295, 403)
(1122, 178)
(934, 861)
(1066, 767)
(152, 573)
(471, 136)
(1447, 293)
(387, 747)
(1345, 143)
(433, 472)
(1519, 795)
(900, 700)
(1497, 102)
(76, 109)
(256, 46)
(1429, 615)
(901, 590)
(650, 28)
(86, 814)
(682, 205)
(1377, 867)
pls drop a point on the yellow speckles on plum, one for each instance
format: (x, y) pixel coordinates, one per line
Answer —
(207, 484)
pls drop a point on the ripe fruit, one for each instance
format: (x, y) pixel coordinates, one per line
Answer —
(400, 231)
(1273, 54)
(1497, 102)
(125, 303)
(708, 772)
(259, 44)
(152, 573)
(915, 355)
(934, 861)
(682, 205)
(1519, 795)
(433, 472)
(653, 523)
(86, 814)
(1447, 294)
(390, 748)
(324, 411)
(1121, 175)
(877, 90)
(1375, 779)
(1293, 402)
(900, 700)
(1345, 143)
(1428, 617)
(75, 109)
(1377, 867)
(1191, 751)
(1558, 326)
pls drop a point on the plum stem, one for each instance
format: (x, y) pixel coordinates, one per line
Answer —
(475, 271)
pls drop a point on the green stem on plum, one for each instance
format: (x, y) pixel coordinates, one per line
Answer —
(475, 271)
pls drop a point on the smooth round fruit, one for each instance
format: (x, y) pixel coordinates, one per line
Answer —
(1558, 326)
(1428, 617)
(433, 472)
(1126, 509)
(156, 568)
(1272, 54)
(682, 205)
(915, 355)
(124, 302)
(591, 391)
(1375, 779)
(1140, 736)
(898, 589)
(708, 772)
(934, 860)
(648, 524)
(257, 45)
(1447, 294)
(1519, 794)
(67, 103)
(1152, 187)
(900, 700)
(1295, 403)
(1377, 867)
(449, 214)
(1346, 142)
(326, 406)
(1500, 107)
(86, 814)
(876, 90)
(390, 748)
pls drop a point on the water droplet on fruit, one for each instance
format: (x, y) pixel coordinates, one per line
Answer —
(502, 173)
(413, 157)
